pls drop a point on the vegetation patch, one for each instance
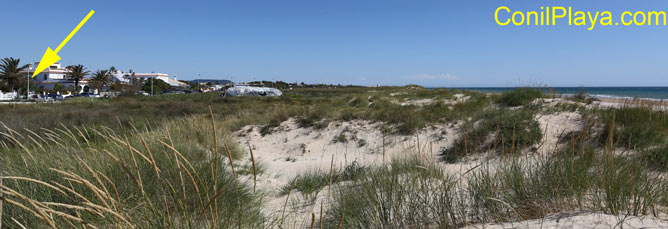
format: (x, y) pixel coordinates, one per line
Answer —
(313, 181)
(635, 127)
(154, 177)
(516, 189)
(519, 97)
(501, 130)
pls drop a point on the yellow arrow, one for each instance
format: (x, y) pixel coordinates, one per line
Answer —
(51, 56)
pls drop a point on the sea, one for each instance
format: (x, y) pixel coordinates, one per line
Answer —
(650, 93)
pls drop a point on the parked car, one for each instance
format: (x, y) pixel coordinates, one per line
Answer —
(41, 98)
(89, 95)
(56, 97)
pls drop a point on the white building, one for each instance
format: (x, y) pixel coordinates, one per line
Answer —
(53, 75)
(126, 77)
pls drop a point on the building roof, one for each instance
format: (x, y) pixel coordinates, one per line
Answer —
(213, 81)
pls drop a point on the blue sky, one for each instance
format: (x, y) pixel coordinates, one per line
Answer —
(432, 43)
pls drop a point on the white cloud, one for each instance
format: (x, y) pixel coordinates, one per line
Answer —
(445, 76)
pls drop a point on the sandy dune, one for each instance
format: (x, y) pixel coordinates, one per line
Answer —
(290, 150)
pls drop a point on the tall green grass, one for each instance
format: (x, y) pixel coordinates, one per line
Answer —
(637, 126)
(162, 178)
(501, 130)
(519, 97)
(512, 189)
(407, 193)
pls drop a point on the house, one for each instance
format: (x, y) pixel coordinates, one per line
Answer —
(53, 75)
(120, 76)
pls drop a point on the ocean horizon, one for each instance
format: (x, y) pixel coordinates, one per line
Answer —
(654, 93)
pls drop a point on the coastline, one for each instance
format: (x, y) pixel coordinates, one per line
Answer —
(645, 93)
(633, 102)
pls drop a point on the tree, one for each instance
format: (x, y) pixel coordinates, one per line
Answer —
(22, 84)
(58, 87)
(10, 72)
(76, 73)
(159, 86)
(100, 79)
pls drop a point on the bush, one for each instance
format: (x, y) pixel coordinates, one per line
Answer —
(657, 157)
(313, 181)
(581, 96)
(634, 126)
(519, 97)
(309, 182)
(502, 130)
(314, 118)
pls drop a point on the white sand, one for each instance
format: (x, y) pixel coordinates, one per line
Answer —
(583, 220)
(555, 126)
(291, 150)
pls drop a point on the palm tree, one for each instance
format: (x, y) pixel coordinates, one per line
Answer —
(76, 73)
(101, 78)
(10, 71)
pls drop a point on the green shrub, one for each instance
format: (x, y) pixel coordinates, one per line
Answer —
(315, 117)
(309, 182)
(657, 157)
(581, 96)
(519, 97)
(510, 132)
(312, 181)
(361, 142)
(634, 126)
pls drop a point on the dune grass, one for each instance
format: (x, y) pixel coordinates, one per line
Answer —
(519, 97)
(165, 177)
(637, 127)
(313, 181)
(634, 126)
(404, 193)
(513, 189)
(501, 130)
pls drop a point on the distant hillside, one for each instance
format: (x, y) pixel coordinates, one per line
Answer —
(212, 81)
